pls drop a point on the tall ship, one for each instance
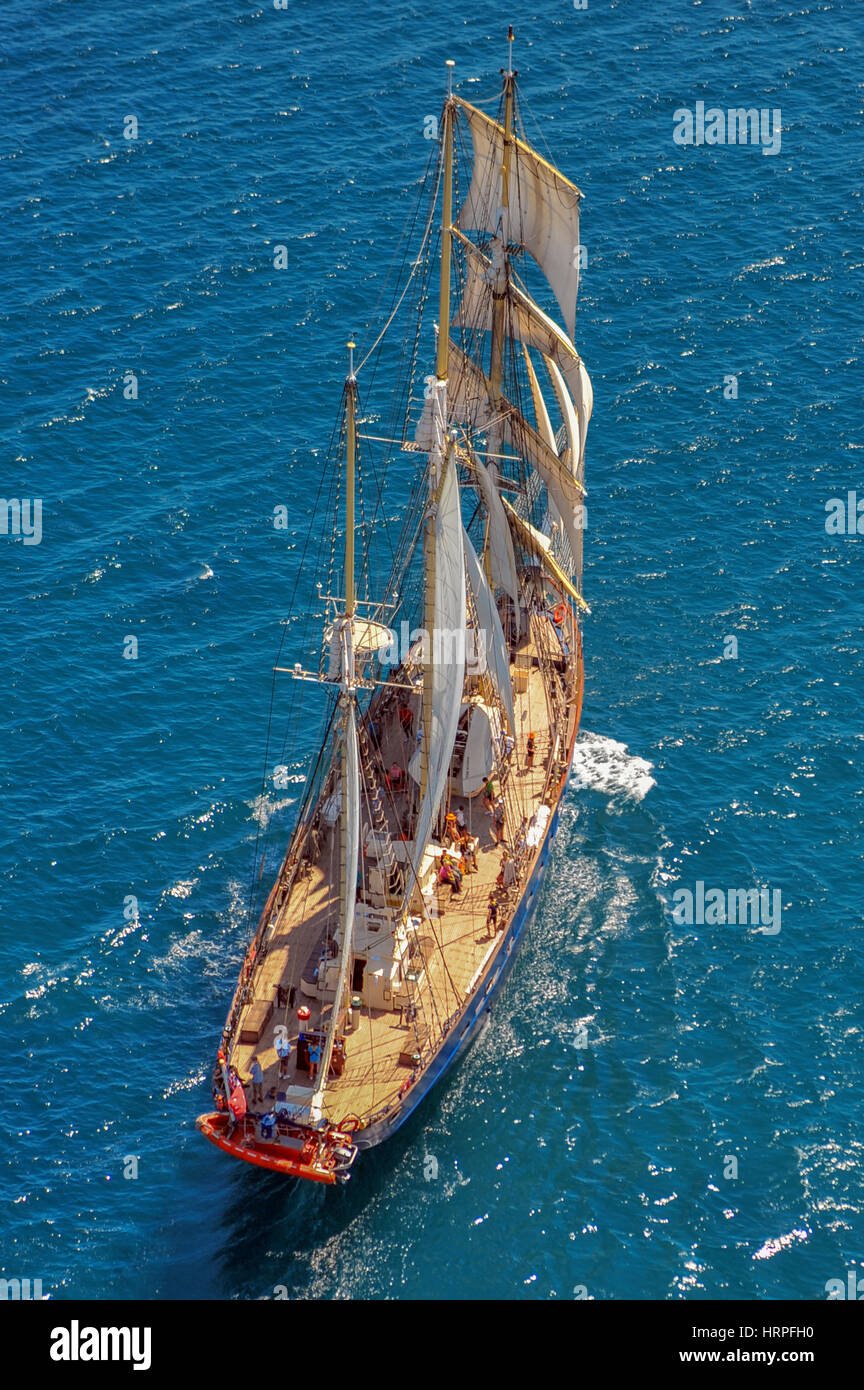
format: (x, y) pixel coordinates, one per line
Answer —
(452, 688)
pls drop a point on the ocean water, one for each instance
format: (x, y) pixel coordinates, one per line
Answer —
(656, 1110)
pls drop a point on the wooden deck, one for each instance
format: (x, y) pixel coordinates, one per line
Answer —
(454, 940)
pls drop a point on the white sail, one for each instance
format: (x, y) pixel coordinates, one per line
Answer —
(468, 384)
(466, 387)
(540, 546)
(497, 655)
(568, 413)
(583, 398)
(526, 321)
(350, 829)
(447, 654)
(561, 485)
(541, 414)
(543, 210)
(367, 638)
(544, 426)
(502, 556)
(467, 400)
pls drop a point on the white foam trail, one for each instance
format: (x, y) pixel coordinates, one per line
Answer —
(264, 807)
(602, 765)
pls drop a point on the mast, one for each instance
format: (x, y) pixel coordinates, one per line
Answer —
(500, 253)
(351, 450)
(437, 455)
(350, 819)
(541, 217)
(446, 235)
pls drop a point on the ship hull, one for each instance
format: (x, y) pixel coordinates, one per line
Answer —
(216, 1127)
(471, 1021)
(329, 1161)
(479, 1006)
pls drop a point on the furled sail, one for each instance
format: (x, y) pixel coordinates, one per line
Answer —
(540, 546)
(543, 210)
(447, 655)
(351, 852)
(561, 485)
(467, 400)
(497, 656)
(527, 322)
(545, 428)
(367, 639)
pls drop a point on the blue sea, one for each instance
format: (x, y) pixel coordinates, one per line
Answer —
(657, 1109)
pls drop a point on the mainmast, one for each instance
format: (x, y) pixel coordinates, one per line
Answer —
(443, 557)
(350, 456)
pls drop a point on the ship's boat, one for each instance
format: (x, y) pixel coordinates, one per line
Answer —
(452, 700)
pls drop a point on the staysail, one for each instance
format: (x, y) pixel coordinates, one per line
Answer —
(497, 657)
(350, 860)
(447, 657)
(502, 557)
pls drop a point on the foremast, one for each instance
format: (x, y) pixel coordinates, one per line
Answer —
(500, 255)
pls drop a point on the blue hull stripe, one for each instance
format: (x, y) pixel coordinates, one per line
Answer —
(467, 1025)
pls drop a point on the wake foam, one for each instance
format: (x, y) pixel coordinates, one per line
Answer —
(602, 765)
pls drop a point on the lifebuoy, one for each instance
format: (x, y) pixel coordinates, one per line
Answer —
(349, 1125)
(560, 613)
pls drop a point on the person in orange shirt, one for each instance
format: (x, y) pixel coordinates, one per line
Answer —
(237, 1106)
